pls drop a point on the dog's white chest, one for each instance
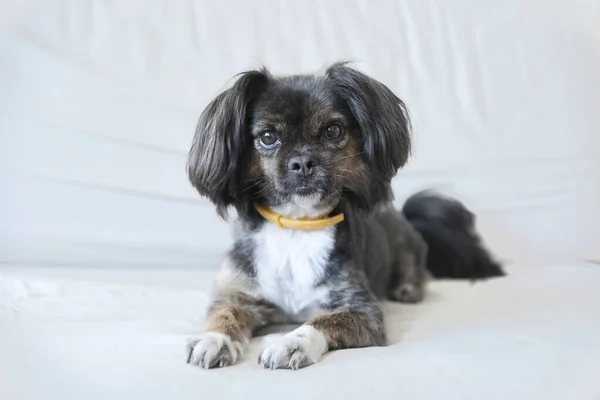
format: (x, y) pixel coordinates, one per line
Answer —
(290, 263)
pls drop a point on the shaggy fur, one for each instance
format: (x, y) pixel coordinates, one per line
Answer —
(305, 146)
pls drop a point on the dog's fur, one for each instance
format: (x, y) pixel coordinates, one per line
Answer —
(304, 146)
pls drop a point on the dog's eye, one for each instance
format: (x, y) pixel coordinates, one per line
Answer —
(333, 131)
(268, 139)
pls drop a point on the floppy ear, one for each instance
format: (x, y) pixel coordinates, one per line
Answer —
(382, 118)
(217, 157)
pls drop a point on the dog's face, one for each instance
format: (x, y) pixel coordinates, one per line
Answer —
(306, 147)
(300, 144)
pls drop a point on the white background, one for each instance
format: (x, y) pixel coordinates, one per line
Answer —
(99, 100)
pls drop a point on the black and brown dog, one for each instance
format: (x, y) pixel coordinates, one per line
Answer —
(307, 163)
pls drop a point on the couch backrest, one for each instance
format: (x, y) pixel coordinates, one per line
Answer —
(99, 102)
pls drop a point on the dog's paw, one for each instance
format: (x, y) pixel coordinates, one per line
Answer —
(213, 349)
(301, 347)
(408, 293)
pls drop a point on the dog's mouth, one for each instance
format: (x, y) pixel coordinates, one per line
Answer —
(303, 200)
(306, 190)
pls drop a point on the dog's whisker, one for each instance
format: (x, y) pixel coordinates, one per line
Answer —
(256, 182)
(350, 172)
(347, 156)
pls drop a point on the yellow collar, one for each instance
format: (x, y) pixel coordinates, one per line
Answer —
(301, 223)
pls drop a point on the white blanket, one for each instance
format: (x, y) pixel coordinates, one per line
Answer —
(121, 334)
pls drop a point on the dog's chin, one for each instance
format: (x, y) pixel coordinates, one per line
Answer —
(305, 202)
(306, 192)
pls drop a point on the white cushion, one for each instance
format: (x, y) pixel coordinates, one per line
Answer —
(82, 333)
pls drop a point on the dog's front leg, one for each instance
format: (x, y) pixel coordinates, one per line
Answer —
(229, 324)
(344, 328)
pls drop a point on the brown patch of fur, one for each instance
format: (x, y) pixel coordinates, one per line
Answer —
(270, 121)
(320, 118)
(347, 329)
(227, 319)
(352, 165)
(236, 315)
(255, 170)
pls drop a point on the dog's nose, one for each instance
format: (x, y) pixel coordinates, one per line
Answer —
(301, 165)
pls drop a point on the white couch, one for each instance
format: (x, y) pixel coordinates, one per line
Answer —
(107, 253)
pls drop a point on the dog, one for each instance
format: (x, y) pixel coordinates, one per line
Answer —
(307, 162)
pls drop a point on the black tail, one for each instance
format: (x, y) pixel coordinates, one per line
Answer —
(455, 248)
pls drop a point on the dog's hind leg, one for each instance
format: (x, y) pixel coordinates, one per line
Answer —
(409, 267)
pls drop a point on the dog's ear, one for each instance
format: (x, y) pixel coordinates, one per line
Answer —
(382, 118)
(217, 157)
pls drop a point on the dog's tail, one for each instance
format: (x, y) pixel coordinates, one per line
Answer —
(455, 249)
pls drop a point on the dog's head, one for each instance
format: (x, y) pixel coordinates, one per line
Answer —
(300, 144)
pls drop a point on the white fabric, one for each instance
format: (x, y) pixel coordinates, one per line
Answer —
(99, 102)
(120, 335)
